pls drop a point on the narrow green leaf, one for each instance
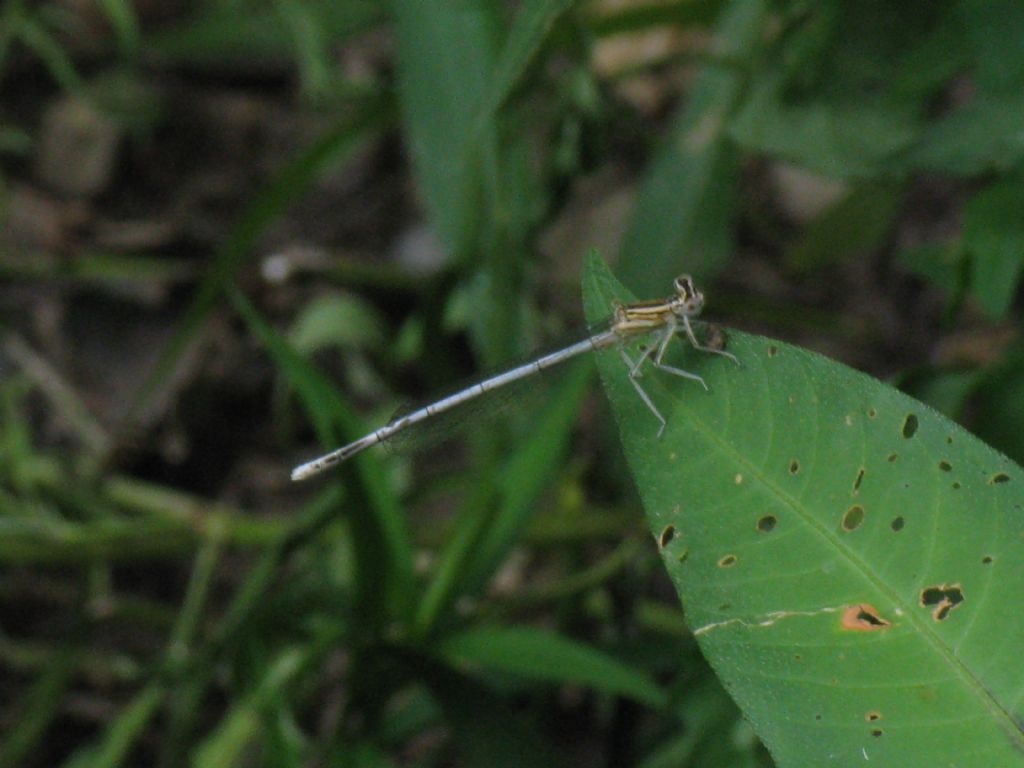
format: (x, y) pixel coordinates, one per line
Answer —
(856, 225)
(219, 33)
(986, 134)
(528, 472)
(39, 708)
(994, 30)
(488, 732)
(382, 543)
(541, 655)
(53, 55)
(335, 146)
(850, 561)
(530, 28)
(644, 15)
(446, 54)
(243, 723)
(838, 137)
(494, 519)
(998, 404)
(994, 237)
(685, 205)
(122, 17)
(121, 735)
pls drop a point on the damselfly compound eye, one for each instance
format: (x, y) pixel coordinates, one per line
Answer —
(685, 288)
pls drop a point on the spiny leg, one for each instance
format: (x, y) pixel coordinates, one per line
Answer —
(703, 348)
(634, 372)
(668, 333)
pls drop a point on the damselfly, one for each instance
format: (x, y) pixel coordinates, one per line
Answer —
(664, 316)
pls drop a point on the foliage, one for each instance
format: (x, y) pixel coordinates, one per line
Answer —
(502, 605)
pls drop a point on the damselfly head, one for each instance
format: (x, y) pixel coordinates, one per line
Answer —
(689, 301)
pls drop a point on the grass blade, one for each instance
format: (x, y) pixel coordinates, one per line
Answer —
(685, 205)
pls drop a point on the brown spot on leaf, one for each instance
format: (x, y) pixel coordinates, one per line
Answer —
(863, 618)
(873, 716)
(727, 562)
(853, 517)
(858, 480)
(942, 599)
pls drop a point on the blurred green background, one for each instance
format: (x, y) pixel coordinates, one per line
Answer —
(234, 233)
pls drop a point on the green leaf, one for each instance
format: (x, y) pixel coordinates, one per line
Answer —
(122, 733)
(529, 30)
(994, 236)
(243, 724)
(487, 731)
(337, 319)
(446, 54)
(850, 561)
(854, 226)
(998, 404)
(686, 202)
(383, 551)
(942, 264)
(984, 135)
(40, 708)
(838, 137)
(541, 655)
(335, 146)
(994, 30)
(220, 33)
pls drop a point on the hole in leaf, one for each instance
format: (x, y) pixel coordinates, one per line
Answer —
(876, 732)
(767, 523)
(666, 536)
(773, 351)
(893, 457)
(857, 480)
(942, 599)
(853, 517)
(714, 336)
(727, 562)
(945, 466)
(863, 618)
(909, 426)
(794, 467)
(817, 717)
(873, 716)
(999, 477)
(986, 560)
(897, 523)
(872, 413)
